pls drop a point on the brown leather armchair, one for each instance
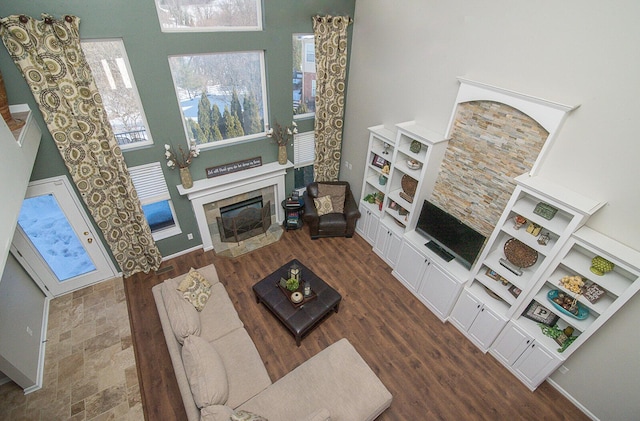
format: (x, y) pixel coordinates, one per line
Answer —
(336, 223)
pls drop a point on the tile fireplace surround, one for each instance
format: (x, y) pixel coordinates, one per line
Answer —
(204, 192)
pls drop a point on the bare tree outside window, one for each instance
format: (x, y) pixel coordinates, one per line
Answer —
(221, 95)
(209, 15)
(304, 75)
(110, 67)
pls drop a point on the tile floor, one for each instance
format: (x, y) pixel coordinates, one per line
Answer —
(90, 369)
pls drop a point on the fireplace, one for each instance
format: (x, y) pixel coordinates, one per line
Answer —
(209, 195)
(244, 219)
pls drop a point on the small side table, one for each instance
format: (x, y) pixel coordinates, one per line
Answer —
(292, 214)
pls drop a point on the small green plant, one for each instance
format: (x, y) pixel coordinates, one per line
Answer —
(292, 284)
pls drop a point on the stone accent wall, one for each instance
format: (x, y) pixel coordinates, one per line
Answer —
(491, 143)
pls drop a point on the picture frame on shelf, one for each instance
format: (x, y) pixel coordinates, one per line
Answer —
(592, 291)
(496, 276)
(378, 161)
(541, 314)
(515, 291)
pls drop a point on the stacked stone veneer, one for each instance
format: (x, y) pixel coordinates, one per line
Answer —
(490, 144)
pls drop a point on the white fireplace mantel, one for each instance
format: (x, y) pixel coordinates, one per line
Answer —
(218, 188)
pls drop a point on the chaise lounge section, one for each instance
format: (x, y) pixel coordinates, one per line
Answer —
(220, 372)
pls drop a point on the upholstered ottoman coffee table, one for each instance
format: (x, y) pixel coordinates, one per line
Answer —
(298, 319)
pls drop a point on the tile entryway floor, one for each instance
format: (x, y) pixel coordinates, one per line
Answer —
(90, 370)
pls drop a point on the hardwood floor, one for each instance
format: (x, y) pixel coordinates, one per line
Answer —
(431, 369)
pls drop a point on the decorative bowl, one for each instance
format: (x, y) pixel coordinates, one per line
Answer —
(582, 311)
(413, 164)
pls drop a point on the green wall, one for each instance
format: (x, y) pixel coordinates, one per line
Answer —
(136, 22)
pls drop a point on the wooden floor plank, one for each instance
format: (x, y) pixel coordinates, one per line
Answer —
(432, 370)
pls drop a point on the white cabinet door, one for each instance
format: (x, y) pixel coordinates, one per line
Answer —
(438, 291)
(410, 266)
(387, 244)
(535, 365)
(393, 249)
(367, 225)
(485, 328)
(465, 311)
(510, 345)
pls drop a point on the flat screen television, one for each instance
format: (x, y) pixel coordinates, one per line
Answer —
(450, 237)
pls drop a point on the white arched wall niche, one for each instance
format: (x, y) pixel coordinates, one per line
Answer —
(548, 114)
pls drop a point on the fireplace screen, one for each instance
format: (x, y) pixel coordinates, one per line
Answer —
(243, 220)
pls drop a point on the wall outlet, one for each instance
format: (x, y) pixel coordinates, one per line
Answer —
(563, 369)
(190, 236)
(29, 331)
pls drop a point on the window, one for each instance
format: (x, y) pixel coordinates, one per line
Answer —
(209, 15)
(222, 96)
(155, 199)
(110, 67)
(304, 153)
(304, 76)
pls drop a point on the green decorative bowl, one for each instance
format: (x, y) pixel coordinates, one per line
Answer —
(600, 265)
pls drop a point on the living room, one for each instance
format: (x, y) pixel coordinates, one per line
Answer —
(404, 64)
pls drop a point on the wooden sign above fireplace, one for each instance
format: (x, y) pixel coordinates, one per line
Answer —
(232, 167)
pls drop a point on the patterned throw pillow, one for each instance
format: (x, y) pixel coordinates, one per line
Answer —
(195, 289)
(337, 193)
(323, 205)
(246, 416)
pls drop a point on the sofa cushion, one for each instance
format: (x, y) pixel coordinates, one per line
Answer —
(183, 317)
(336, 192)
(323, 205)
(246, 416)
(196, 289)
(336, 378)
(219, 316)
(246, 373)
(216, 413)
(319, 415)
(205, 371)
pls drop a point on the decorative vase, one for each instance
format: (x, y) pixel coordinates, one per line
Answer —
(600, 266)
(185, 178)
(4, 108)
(282, 154)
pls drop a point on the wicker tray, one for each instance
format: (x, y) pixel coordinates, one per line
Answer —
(409, 185)
(519, 253)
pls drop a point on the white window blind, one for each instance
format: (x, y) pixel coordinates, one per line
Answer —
(149, 183)
(304, 149)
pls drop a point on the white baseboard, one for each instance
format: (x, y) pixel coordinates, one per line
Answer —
(573, 400)
(180, 253)
(4, 380)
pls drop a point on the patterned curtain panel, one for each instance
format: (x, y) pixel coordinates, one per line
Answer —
(49, 55)
(331, 69)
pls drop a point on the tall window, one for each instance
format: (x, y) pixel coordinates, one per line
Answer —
(304, 153)
(209, 15)
(110, 67)
(155, 199)
(222, 96)
(304, 75)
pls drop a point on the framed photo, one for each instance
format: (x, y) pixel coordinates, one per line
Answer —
(515, 291)
(496, 276)
(539, 313)
(378, 161)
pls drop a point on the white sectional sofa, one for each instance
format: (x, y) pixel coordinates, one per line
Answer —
(220, 372)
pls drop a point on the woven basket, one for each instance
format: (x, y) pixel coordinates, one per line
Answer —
(409, 185)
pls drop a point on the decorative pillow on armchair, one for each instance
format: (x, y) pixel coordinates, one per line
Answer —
(323, 205)
(242, 415)
(195, 289)
(336, 192)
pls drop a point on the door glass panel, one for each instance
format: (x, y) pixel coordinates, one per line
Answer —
(48, 229)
